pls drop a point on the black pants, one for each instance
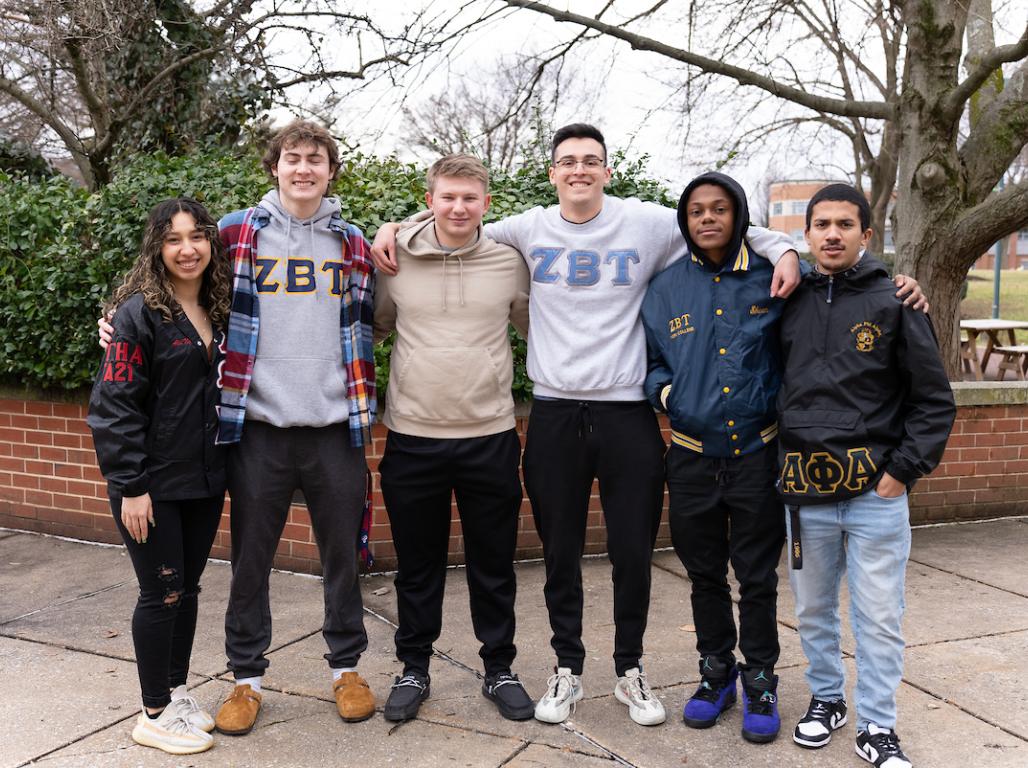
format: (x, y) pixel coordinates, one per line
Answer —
(569, 444)
(725, 510)
(168, 567)
(264, 470)
(419, 477)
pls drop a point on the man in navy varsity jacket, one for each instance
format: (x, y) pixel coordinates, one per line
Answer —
(712, 338)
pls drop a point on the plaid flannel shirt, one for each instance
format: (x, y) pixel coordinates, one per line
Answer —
(239, 234)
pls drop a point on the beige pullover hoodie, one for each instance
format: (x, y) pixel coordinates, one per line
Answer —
(451, 369)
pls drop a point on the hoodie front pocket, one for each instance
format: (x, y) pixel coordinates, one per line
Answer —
(452, 384)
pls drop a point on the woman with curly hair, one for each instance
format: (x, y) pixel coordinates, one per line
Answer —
(152, 413)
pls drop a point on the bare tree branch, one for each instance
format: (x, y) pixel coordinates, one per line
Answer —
(997, 137)
(988, 64)
(843, 107)
(70, 139)
(358, 74)
(992, 219)
(97, 107)
(126, 113)
(93, 68)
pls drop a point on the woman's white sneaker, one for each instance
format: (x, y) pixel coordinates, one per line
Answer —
(170, 733)
(643, 706)
(563, 691)
(188, 708)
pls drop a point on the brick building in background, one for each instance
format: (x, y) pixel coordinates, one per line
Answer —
(1016, 256)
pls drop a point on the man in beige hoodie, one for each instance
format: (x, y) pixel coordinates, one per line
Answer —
(450, 416)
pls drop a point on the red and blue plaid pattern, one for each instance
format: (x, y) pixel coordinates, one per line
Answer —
(239, 234)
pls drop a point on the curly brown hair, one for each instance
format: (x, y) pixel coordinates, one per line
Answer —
(149, 276)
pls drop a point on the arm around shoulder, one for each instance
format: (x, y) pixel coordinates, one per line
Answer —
(385, 308)
(770, 244)
(519, 306)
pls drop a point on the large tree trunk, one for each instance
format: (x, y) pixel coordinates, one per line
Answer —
(929, 187)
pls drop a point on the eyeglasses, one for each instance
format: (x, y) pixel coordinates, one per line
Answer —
(591, 163)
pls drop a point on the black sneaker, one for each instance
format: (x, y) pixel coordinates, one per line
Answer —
(509, 696)
(815, 728)
(881, 748)
(406, 696)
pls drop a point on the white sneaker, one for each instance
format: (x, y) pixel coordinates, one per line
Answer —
(170, 733)
(188, 708)
(880, 746)
(563, 691)
(643, 706)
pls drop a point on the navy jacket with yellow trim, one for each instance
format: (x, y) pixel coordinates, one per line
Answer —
(712, 334)
(864, 388)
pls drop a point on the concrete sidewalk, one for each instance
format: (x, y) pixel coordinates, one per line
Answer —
(70, 692)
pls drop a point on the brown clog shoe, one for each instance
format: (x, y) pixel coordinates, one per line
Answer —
(354, 698)
(238, 712)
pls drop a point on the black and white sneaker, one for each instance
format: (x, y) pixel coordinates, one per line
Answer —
(815, 728)
(880, 747)
(406, 696)
(509, 695)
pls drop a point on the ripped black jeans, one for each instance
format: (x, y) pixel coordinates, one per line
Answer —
(168, 567)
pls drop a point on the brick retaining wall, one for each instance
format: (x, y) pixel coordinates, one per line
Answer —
(49, 481)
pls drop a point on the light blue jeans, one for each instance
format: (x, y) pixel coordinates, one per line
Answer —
(868, 538)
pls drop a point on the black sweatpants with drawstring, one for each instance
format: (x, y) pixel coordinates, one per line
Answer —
(569, 444)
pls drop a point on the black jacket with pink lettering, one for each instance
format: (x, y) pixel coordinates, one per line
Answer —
(864, 390)
(153, 409)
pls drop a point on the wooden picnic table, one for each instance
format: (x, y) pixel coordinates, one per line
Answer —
(992, 327)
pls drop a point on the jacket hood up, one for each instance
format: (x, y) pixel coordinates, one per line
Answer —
(741, 218)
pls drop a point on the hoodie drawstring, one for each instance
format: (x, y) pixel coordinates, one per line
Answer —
(460, 280)
(445, 255)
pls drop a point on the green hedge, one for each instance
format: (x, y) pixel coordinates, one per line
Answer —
(62, 250)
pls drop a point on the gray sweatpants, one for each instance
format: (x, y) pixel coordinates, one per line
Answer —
(264, 470)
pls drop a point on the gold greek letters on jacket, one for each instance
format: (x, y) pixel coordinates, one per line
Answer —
(825, 473)
(679, 325)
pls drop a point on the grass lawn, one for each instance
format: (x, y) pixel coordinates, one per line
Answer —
(1013, 297)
